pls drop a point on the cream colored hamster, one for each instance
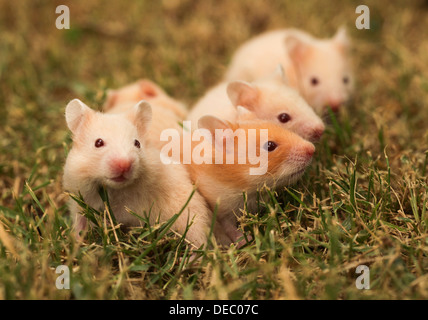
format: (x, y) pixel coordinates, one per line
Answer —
(318, 68)
(110, 150)
(268, 98)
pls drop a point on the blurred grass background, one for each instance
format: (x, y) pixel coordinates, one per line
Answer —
(363, 201)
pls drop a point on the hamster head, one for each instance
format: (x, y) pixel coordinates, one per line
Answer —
(271, 99)
(143, 90)
(107, 149)
(287, 153)
(323, 69)
(132, 93)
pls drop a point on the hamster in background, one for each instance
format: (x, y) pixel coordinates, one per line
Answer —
(166, 112)
(318, 68)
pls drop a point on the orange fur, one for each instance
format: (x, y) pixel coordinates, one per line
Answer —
(224, 184)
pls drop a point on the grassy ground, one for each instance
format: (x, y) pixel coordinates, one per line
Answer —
(363, 201)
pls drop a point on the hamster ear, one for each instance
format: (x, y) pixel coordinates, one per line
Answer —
(76, 113)
(141, 116)
(296, 47)
(149, 89)
(211, 124)
(244, 113)
(244, 94)
(280, 75)
(341, 39)
(110, 100)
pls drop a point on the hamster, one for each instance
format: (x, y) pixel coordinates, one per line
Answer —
(109, 150)
(287, 157)
(142, 89)
(268, 98)
(318, 68)
(166, 111)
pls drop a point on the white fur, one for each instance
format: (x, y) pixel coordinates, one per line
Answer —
(302, 57)
(271, 96)
(150, 186)
(167, 112)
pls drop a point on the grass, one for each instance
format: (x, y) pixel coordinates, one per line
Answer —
(363, 200)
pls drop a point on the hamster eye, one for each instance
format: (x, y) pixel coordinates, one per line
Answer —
(137, 144)
(99, 143)
(270, 146)
(314, 81)
(284, 117)
(345, 80)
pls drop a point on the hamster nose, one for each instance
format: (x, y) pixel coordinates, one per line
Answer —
(317, 133)
(308, 151)
(334, 104)
(121, 166)
(305, 152)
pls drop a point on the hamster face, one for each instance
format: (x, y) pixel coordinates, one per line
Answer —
(284, 106)
(288, 154)
(322, 68)
(107, 148)
(272, 100)
(112, 150)
(326, 78)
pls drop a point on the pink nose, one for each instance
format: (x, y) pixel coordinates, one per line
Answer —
(309, 151)
(306, 151)
(120, 166)
(334, 105)
(317, 133)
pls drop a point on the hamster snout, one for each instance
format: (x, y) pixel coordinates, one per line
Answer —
(308, 151)
(312, 132)
(303, 154)
(336, 101)
(120, 167)
(335, 104)
(317, 132)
